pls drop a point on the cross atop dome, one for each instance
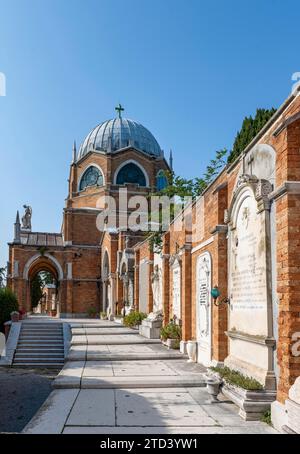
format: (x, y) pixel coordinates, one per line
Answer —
(119, 109)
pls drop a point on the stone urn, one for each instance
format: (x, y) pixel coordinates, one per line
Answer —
(191, 349)
(213, 388)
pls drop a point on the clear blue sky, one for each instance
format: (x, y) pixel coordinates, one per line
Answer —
(189, 70)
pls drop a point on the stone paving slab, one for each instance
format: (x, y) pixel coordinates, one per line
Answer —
(92, 324)
(144, 411)
(140, 368)
(100, 331)
(77, 353)
(51, 417)
(118, 389)
(259, 430)
(93, 408)
(150, 408)
(113, 339)
(70, 375)
(121, 339)
(96, 369)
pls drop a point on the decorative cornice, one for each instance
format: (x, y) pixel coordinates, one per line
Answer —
(219, 229)
(262, 340)
(288, 187)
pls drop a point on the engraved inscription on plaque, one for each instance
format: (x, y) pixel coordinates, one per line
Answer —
(248, 264)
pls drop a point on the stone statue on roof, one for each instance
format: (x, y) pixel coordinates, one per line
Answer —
(26, 218)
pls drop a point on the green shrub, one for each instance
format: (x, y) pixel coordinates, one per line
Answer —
(8, 304)
(236, 378)
(266, 417)
(170, 331)
(92, 311)
(134, 319)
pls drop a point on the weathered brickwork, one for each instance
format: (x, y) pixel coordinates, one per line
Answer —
(103, 269)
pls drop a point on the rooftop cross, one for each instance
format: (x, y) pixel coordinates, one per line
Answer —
(119, 109)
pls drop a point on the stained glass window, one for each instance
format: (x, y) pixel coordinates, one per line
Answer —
(91, 177)
(161, 180)
(131, 173)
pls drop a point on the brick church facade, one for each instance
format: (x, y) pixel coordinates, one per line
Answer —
(244, 248)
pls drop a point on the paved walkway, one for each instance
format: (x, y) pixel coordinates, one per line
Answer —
(116, 382)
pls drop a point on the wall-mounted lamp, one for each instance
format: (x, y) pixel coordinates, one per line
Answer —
(215, 293)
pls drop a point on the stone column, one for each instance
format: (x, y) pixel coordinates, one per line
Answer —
(288, 284)
(186, 301)
(150, 272)
(166, 277)
(219, 279)
(137, 280)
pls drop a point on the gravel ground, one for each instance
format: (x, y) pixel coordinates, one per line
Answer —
(22, 392)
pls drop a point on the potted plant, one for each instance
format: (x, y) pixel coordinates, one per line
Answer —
(246, 392)
(103, 315)
(171, 335)
(92, 312)
(134, 319)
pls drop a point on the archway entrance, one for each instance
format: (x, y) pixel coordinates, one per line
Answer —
(44, 293)
(43, 275)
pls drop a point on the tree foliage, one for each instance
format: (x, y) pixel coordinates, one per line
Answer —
(38, 284)
(250, 128)
(8, 304)
(212, 170)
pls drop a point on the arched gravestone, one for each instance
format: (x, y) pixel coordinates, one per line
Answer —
(157, 289)
(250, 315)
(143, 285)
(176, 289)
(203, 308)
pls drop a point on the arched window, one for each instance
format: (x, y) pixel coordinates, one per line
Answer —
(91, 177)
(131, 173)
(161, 180)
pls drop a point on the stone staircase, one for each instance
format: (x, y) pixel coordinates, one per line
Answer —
(40, 344)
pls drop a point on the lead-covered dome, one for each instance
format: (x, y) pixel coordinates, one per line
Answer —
(113, 135)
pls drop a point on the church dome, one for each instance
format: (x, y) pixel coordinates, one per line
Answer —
(113, 135)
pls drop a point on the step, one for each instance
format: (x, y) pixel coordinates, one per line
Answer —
(90, 356)
(37, 350)
(42, 328)
(38, 354)
(114, 340)
(39, 360)
(178, 381)
(41, 333)
(60, 335)
(43, 364)
(38, 345)
(40, 339)
(56, 339)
